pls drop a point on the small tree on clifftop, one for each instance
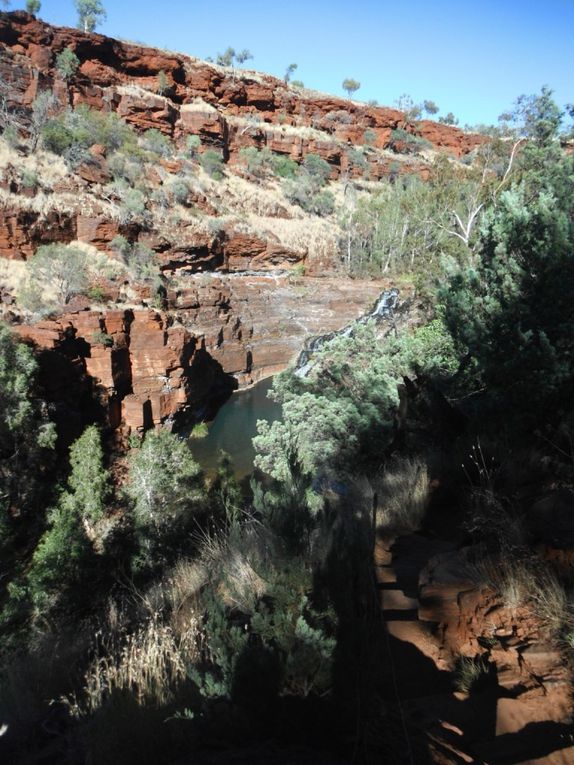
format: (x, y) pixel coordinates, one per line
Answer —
(33, 6)
(289, 71)
(227, 58)
(351, 86)
(430, 107)
(243, 56)
(90, 14)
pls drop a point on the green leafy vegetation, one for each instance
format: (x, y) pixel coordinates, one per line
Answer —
(140, 260)
(230, 57)
(350, 86)
(27, 437)
(65, 555)
(33, 7)
(90, 14)
(67, 63)
(212, 162)
(289, 71)
(71, 133)
(162, 83)
(165, 487)
(404, 142)
(58, 269)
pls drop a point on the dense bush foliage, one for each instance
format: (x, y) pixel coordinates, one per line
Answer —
(56, 272)
(72, 132)
(511, 306)
(67, 63)
(27, 437)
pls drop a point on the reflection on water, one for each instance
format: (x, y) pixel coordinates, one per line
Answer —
(233, 428)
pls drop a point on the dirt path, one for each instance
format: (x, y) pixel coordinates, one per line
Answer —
(502, 723)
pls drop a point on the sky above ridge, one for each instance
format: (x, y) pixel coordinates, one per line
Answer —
(471, 58)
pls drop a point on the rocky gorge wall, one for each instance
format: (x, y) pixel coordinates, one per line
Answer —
(152, 366)
(201, 98)
(233, 309)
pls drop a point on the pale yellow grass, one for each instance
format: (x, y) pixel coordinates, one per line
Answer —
(12, 274)
(150, 665)
(300, 131)
(49, 168)
(197, 105)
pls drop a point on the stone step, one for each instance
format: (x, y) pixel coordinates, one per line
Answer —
(385, 575)
(396, 600)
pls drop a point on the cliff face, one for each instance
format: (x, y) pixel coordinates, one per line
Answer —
(201, 99)
(152, 366)
(232, 309)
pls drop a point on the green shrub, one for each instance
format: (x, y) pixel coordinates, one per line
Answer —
(167, 493)
(180, 190)
(61, 268)
(369, 137)
(89, 482)
(67, 63)
(156, 142)
(322, 203)
(225, 492)
(102, 338)
(304, 195)
(160, 197)
(121, 246)
(404, 142)
(212, 162)
(162, 83)
(298, 270)
(132, 206)
(29, 178)
(26, 435)
(300, 636)
(11, 135)
(257, 609)
(63, 560)
(255, 160)
(356, 158)
(284, 167)
(317, 168)
(525, 258)
(126, 167)
(56, 137)
(200, 430)
(74, 131)
(44, 107)
(96, 293)
(193, 144)
(139, 259)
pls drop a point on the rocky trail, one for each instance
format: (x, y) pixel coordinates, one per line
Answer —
(517, 714)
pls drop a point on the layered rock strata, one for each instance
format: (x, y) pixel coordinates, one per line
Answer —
(153, 366)
(226, 109)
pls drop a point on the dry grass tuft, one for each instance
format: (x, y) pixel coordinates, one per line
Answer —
(235, 562)
(468, 672)
(530, 585)
(150, 665)
(403, 494)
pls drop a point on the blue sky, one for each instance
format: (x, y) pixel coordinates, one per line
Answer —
(471, 58)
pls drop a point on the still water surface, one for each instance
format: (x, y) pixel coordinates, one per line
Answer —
(233, 428)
